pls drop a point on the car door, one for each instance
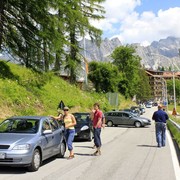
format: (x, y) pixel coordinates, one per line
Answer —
(116, 118)
(112, 116)
(120, 119)
(127, 119)
(58, 135)
(47, 139)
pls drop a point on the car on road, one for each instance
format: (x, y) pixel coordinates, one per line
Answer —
(138, 109)
(115, 118)
(134, 112)
(29, 140)
(148, 105)
(83, 128)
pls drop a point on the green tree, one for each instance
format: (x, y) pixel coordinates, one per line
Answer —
(170, 88)
(77, 24)
(129, 65)
(144, 88)
(104, 76)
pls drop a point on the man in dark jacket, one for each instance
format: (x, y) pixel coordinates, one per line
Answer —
(160, 118)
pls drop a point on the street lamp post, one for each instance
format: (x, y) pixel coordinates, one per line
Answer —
(174, 86)
(164, 92)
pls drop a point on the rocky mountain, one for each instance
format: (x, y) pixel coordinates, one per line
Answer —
(101, 52)
(162, 53)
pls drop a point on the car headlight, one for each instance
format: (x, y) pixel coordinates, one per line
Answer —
(22, 147)
(84, 128)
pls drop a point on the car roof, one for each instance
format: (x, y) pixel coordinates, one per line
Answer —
(29, 117)
(86, 113)
(117, 111)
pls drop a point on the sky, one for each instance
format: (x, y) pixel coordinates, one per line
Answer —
(140, 21)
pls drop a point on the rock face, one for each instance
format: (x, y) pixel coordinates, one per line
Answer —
(93, 52)
(163, 53)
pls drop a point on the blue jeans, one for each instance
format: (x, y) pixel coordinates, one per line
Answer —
(97, 138)
(69, 134)
(161, 134)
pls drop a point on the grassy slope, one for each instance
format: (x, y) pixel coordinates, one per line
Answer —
(28, 93)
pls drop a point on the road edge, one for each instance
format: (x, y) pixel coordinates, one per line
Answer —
(174, 156)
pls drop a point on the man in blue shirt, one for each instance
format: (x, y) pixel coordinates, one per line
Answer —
(160, 118)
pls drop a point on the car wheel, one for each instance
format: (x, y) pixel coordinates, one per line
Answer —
(62, 150)
(137, 124)
(109, 123)
(36, 161)
(90, 136)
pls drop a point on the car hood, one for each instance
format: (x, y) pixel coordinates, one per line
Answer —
(143, 118)
(8, 138)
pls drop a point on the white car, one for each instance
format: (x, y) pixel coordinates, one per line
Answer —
(148, 105)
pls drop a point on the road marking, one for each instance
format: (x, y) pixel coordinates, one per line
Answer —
(174, 157)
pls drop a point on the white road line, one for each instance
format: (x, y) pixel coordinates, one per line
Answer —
(174, 157)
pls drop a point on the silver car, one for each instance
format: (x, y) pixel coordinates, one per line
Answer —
(125, 118)
(28, 140)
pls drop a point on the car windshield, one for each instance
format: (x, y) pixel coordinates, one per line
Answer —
(19, 126)
(82, 118)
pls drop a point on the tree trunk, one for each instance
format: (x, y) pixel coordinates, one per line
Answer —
(2, 7)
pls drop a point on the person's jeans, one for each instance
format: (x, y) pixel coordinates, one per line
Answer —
(97, 138)
(69, 134)
(161, 134)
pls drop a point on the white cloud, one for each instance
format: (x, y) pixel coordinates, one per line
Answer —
(131, 27)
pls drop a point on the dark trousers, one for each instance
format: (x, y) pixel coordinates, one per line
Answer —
(97, 138)
(161, 133)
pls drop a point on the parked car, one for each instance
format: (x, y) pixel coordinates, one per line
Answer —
(29, 140)
(134, 112)
(83, 128)
(148, 105)
(125, 118)
(137, 108)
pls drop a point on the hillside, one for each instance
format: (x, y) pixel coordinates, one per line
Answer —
(24, 92)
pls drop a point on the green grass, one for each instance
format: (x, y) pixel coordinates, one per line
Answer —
(24, 92)
(175, 132)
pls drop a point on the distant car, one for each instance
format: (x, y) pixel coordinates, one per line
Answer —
(125, 118)
(137, 108)
(148, 105)
(83, 128)
(155, 104)
(134, 112)
(29, 140)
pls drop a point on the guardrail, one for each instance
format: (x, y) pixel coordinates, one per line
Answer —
(177, 125)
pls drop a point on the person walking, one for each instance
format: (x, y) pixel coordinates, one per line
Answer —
(97, 124)
(160, 118)
(70, 122)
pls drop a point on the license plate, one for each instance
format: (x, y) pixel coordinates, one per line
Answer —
(2, 155)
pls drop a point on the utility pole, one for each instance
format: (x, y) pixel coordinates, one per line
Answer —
(174, 86)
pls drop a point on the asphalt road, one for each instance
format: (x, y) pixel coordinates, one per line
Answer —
(127, 154)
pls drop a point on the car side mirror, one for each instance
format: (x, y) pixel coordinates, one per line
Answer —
(47, 131)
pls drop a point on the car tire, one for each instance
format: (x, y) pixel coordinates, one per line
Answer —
(90, 137)
(109, 123)
(137, 124)
(62, 150)
(36, 161)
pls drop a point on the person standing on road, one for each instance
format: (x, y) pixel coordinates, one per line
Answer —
(103, 124)
(70, 122)
(97, 124)
(160, 118)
